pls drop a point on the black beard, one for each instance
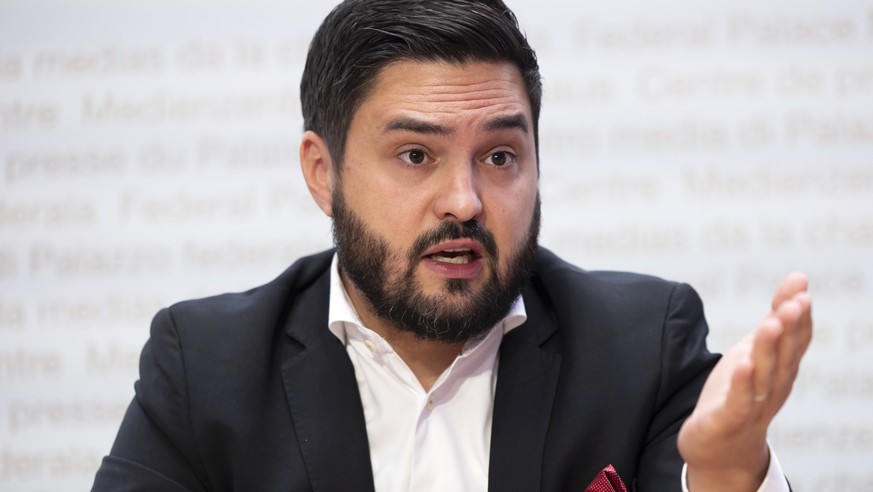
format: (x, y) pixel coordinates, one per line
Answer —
(452, 316)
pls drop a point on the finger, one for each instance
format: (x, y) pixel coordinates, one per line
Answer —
(790, 286)
(766, 357)
(740, 401)
(805, 324)
(797, 326)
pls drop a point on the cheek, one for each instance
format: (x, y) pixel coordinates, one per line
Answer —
(366, 197)
(512, 223)
(379, 194)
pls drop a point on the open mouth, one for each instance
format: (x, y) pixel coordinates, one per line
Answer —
(455, 256)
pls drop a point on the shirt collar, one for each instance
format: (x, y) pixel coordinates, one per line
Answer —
(341, 311)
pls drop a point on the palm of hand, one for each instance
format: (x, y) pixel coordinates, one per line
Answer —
(725, 436)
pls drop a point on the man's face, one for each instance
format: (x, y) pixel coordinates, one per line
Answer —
(436, 212)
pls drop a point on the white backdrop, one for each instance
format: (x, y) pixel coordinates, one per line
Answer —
(148, 153)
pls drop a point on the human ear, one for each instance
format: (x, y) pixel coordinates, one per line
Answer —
(317, 166)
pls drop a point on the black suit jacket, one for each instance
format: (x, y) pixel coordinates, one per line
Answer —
(252, 392)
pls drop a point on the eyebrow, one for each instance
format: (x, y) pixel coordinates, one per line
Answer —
(416, 126)
(515, 121)
(406, 124)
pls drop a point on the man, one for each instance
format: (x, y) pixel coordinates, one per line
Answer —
(438, 347)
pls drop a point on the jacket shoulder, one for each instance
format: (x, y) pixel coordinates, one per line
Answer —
(594, 307)
(558, 276)
(268, 300)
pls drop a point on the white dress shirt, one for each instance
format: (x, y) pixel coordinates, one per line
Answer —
(440, 439)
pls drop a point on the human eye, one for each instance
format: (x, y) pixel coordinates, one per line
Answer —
(413, 157)
(501, 158)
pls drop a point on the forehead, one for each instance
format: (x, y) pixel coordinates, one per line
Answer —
(439, 88)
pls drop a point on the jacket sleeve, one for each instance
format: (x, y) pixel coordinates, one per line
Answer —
(155, 447)
(685, 364)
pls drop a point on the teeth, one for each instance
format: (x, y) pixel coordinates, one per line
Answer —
(457, 260)
(455, 256)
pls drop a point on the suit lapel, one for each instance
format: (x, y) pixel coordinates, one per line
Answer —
(323, 397)
(328, 417)
(526, 380)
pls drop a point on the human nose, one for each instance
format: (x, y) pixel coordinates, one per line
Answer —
(458, 196)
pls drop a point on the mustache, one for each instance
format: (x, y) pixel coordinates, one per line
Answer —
(449, 230)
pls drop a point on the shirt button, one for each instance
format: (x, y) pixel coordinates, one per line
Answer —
(430, 403)
(370, 345)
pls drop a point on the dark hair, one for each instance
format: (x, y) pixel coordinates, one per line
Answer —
(360, 37)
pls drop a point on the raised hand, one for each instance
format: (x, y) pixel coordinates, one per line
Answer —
(723, 441)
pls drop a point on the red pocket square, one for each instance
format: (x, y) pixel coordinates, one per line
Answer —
(606, 481)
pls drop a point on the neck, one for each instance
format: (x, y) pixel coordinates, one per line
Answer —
(427, 359)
